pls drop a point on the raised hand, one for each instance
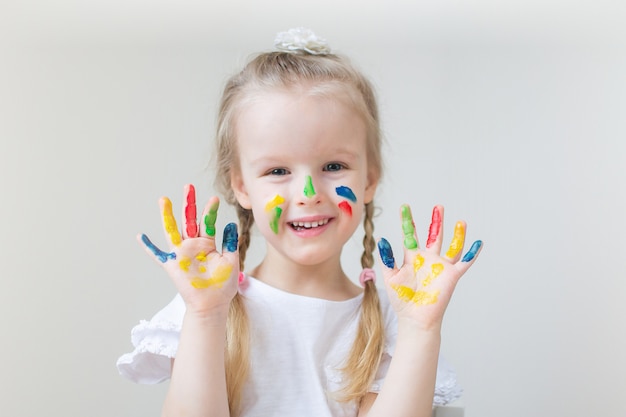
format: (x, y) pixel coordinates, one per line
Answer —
(420, 289)
(205, 278)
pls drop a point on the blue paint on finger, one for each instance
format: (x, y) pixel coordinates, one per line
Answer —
(161, 256)
(231, 238)
(471, 254)
(386, 254)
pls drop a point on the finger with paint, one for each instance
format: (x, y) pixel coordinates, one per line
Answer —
(435, 231)
(458, 240)
(386, 253)
(152, 250)
(190, 212)
(169, 222)
(209, 218)
(408, 228)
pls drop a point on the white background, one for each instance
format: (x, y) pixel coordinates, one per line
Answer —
(510, 114)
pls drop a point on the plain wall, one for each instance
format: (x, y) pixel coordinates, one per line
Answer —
(511, 116)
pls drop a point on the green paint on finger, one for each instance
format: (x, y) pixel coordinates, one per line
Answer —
(211, 218)
(408, 229)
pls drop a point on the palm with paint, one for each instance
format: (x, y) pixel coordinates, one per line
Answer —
(205, 278)
(420, 289)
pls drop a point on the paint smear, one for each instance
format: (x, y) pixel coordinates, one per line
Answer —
(201, 256)
(420, 298)
(190, 213)
(471, 254)
(161, 256)
(185, 263)
(274, 220)
(170, 223)
(418, 262)
(408, 228)
(435, 270)
(435, 227)
(231, 238)
(345, 192)
(386, 254)
(457, 241)
(346, 207)
(211, 218)
(309, 191)
(274, 202)
(219, 277)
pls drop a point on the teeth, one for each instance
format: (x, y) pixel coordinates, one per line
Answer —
(310, 225)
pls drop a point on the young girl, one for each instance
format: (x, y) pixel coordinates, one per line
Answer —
(298, 153)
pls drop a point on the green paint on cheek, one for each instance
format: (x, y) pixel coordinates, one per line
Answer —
(274, 221)
(309, 191)
(408, 228)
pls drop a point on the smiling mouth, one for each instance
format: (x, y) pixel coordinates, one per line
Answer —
(308, 225)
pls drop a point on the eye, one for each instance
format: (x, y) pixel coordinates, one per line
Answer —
(334, 166)
(277, 171)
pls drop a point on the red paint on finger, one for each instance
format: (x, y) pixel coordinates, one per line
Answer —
(190, 212)
(435, 227)
(346, 207)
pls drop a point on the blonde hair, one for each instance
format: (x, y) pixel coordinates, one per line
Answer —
(328, 75)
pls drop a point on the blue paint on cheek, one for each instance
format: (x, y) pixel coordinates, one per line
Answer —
(471, 254)
(386, 254)
(231, 238)
(161, 256)
(345, 192)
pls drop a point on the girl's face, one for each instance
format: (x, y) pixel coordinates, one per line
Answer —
(303, 172)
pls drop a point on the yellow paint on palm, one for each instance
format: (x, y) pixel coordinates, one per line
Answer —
(185, 263)
(420, 298)
(219, 277)
(201, 256)
(418, 262)
(435, 270)
(169, 222)
(202, 269)
(457, 240)
(275, 202)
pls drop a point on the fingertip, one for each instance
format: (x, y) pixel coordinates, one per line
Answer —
(386, 253)
(473, 251)
(231, 238)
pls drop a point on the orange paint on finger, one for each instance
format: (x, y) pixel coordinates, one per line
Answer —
(457, 241)
(420, 298)
(219, 277)
(169, 222)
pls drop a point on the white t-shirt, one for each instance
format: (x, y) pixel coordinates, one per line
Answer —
(298, 344)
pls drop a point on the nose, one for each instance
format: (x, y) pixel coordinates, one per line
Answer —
(308, 195)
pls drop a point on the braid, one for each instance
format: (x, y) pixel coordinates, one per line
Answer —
(367, 349)
(369, 244)
(237, 354)
(246, 220)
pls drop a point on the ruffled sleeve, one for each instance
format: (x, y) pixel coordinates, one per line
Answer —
(447, 388)
(155, 343)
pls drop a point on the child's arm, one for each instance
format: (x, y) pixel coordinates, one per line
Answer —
(207, 282)
(419, 290)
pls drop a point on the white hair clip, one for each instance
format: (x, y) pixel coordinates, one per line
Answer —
(301, 39)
